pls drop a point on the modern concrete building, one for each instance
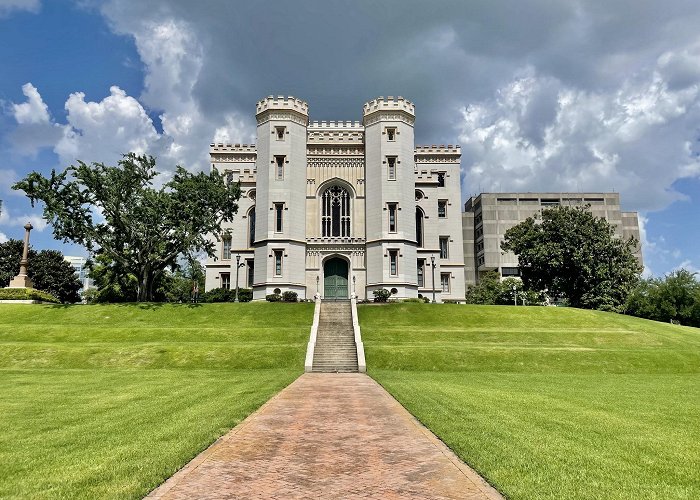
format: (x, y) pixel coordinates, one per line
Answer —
(488, 216)
(341, 208)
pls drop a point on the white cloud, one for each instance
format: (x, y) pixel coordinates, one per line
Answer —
(3, 238)
(8, 6)
(8, 220)
(540, 134)
(688, 266)
(34, 111)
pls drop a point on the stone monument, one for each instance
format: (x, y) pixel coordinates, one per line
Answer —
(22, 280)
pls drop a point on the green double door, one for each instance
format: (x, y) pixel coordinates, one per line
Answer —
(335, 279)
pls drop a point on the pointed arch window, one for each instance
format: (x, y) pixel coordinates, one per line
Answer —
(419, 227)
(335, 212)
(251, 227)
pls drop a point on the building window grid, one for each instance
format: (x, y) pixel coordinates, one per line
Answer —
(335, 212)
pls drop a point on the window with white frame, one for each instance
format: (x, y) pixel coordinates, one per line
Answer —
(279, 217)
(442, 209)
(279, 167)
(394, 262)
(444, 246)
(392, 207)
(226, 247)
(226, 281)
(278, 262)
(391, 162)
(445, 282)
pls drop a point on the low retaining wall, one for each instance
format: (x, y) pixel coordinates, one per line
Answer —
(361, 364)
(308, 363)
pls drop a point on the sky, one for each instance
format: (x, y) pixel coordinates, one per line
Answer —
(583, 95)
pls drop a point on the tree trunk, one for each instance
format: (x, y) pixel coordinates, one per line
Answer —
(145, 291)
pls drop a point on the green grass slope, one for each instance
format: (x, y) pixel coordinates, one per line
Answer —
(548, 402)
(109, 401)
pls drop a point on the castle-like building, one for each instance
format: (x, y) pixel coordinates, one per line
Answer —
(341, 208)
(336, 209)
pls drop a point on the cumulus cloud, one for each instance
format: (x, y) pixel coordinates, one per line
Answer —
(10, 219)
(35, 127)
(9, 6)
(538, 133)
(34, 111)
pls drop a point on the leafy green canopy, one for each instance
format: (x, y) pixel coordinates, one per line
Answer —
(116, 212)
(575, 255)
(47, 269)
(675, 298)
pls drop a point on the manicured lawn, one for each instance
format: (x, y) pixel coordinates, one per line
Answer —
(548, 402)
(109, 401)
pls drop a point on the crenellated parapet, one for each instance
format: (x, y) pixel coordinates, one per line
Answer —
(282, 108)
(349, 133)
(232, 153)
(389, 108)
(438, 154)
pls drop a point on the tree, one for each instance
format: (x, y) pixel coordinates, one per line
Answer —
(675, 298)
(572, 254)
(47, 269)
(492, 290)
(116, 212)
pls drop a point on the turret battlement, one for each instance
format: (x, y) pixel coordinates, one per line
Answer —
(441, 149)
(232, 148)
(389, 104)
(336, 125)
(282, 102)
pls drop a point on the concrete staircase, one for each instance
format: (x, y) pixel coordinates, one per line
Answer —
(335, 349)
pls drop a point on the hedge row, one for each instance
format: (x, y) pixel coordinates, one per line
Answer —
(26, 294)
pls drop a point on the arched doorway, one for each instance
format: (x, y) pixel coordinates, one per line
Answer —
(335, 279)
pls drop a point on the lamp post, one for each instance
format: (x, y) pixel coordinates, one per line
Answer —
(432, 266)
(238, 266)
(317, 280)
(353, 287)
(515, 295)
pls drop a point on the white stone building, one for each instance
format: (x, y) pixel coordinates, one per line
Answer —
(341, 208)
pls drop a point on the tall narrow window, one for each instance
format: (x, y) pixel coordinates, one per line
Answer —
(229, 178)
(421, 273)
(335, 212)
(442, 209)
(441, 179)
(251, 228)
(394, 262)
(391, 134)
(419, 227)
(279, 217)
(226, 253)
(226, 281)
(392, 217)
(279, 167)
(391, 161)
(279, 131)
(445, 282)
(444, 245)
(251, 272)
(278, 262)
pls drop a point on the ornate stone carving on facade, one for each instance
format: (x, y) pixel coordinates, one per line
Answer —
(336, 162)
(332, 150)
(282, 115)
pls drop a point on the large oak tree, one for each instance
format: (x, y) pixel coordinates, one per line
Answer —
(573, 254)
(117, 212)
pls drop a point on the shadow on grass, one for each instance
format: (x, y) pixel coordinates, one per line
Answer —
(146, 306)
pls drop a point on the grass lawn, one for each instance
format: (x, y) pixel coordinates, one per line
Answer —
(548, 402)
(109, 401)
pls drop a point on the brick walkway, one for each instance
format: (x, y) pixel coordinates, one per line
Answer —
(328, 436)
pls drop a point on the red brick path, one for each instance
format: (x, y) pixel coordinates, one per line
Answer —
(328, 436)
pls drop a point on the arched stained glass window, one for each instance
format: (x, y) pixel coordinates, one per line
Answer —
(335, 212)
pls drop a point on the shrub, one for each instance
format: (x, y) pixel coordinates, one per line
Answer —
(413, 300)
(289, 296)
(26, 294)
(245, 295)
(218, 295)
(381, 295)
(273, 297)
(277, 291)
